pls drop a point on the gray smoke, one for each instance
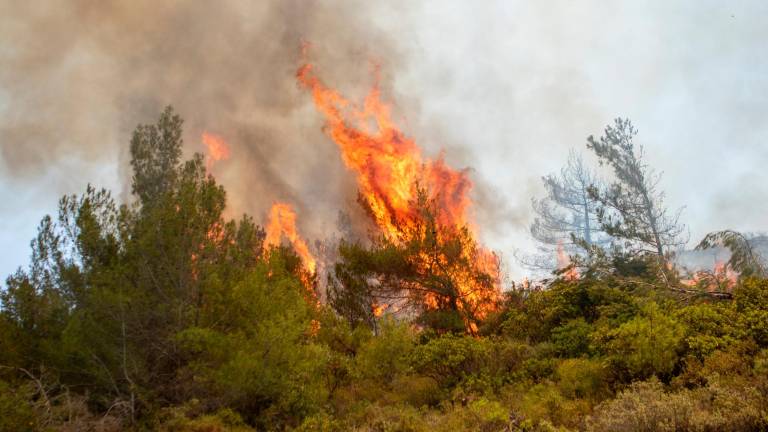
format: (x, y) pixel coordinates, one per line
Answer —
(78, 76)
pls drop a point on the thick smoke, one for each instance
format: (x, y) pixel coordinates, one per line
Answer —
(505, 87)
(78, 76)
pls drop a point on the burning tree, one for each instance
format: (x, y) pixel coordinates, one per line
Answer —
(420, 208)
(437, 273)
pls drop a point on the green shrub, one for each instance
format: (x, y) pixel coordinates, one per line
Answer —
(451, 359)
(545, 402)
(320, 423)
(709, 328)
(582, 379)
(384, 357)
(265, 365)
(478, 415)
(751, 294)
(647, 345)
(16, 410)
(572, 339)
(643, 407)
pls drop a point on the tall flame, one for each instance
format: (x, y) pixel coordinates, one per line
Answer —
(217, 149)
(282, 223)
(390, 169)
(388, 164)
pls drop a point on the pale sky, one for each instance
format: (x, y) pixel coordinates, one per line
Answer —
(504, 87)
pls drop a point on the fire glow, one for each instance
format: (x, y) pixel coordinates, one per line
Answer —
(282, 218)
(217, 149)
(722, 276)
(390, 169)
(564, 263)
(282, 223)
(388, 164)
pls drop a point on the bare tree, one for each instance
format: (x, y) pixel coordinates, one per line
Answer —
(632, 208)
(568, 210)
(566, 218)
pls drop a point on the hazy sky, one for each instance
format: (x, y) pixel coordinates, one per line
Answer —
(505, 87)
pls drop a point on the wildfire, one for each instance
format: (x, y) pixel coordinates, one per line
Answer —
(217, 149)
(721, 276)
(389, 166)
(282, 223)
(564, 262)
(378, 309)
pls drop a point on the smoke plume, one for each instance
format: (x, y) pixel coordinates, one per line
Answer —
(79, 76)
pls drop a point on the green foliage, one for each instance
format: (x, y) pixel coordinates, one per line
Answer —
(644, 407)
(451, 359)
(544, 403)
(647, 345)
(349, 292)
(16, 408)
(582, 379)
(478, 415)
(573, 338)
(751, 301)
(381, 359)
(155, 153)
(586, 301)
(709, 328)
(259, 359)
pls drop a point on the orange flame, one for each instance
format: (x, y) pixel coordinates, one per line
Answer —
(217, 149)
(390, 168)
(388, 164)
(282, 222)
(378, 309)
(726, 274)
(564, 262)
(721, 276)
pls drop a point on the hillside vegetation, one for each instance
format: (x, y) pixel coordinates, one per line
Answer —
(162, 315)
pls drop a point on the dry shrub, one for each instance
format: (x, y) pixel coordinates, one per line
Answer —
(647, 406)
